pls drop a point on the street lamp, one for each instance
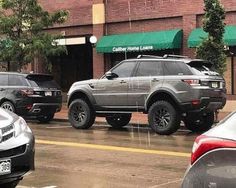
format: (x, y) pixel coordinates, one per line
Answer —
(93, 40)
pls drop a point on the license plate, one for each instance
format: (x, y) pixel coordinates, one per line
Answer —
(214, 84)
(48, 93)
(5, 166)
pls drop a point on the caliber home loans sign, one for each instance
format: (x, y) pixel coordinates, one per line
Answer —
(132, 48)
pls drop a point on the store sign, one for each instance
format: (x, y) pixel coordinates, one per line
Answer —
(132, 48)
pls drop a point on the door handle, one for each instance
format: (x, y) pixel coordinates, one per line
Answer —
(91, 85)
(1, 89)
(155, 80)
(122, 82)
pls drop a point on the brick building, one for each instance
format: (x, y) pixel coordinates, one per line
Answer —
(125, 28)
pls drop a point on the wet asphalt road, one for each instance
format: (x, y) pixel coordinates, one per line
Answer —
(102, 157)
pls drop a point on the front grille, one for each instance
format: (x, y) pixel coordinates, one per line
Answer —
(7, 133)
(13, 152)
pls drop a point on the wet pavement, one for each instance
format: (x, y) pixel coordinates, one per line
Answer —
(138, 117)
(103, 157)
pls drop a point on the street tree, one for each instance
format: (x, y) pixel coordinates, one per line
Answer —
(22, 31)
(212, 47)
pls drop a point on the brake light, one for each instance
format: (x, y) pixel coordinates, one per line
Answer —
(192, 82)
(204, 144)
(195, 102)
(26, 92)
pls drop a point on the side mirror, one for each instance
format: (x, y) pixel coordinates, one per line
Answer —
(110, 75)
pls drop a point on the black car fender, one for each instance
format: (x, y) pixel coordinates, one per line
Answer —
(81, 93)
(162, 94)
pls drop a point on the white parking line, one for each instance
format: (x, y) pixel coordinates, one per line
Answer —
(51, 186)
(167, 183)
(58, 127)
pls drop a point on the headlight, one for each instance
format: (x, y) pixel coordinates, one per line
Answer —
(20, 126)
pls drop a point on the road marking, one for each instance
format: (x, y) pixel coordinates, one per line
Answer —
(113, 148)
(58, 127)
(167, 183)
(52, 186)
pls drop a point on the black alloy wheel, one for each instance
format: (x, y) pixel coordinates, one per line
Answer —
(45, 118)
(118, 120)
(80, 114)
(202, 123)
(163, 118)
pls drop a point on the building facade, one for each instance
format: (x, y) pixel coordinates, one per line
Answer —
(140, 26)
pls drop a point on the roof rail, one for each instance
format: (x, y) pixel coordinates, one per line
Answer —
(174, 56)
(148, 56)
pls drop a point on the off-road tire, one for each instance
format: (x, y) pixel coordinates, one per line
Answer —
(163, 118)
(45, 118)
(118, 120)
(201, 124)
(81, 115)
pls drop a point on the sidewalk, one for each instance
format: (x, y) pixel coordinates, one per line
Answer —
(140, 118)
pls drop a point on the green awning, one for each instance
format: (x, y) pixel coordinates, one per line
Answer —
(197, 35)
(169, 39)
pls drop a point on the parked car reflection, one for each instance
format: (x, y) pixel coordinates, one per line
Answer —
(16, 149)
(213, 161)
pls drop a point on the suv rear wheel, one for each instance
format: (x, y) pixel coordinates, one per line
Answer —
(200, 124)
(118, 120)
(45, 118)
(163, 118)
(80, 114)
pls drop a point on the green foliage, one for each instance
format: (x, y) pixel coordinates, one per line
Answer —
(212, 48)
(22, 24)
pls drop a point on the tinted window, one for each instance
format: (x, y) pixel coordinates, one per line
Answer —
(149, 68)
(16, 80)
(202, 67)
(125, 69)
(42, 81)
(3, 80)
(176, 68)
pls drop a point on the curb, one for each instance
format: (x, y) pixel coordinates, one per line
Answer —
(101, 122)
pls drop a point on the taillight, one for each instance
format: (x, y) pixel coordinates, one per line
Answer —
(192, 82)
(203, 144)
(195, 102)
(26, 92)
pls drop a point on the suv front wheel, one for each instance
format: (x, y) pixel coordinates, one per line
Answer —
(163, 118)
(7, 105)
(202, 123)
(118, 120)
(80, 114)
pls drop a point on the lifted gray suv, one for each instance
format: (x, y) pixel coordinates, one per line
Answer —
(169, 89)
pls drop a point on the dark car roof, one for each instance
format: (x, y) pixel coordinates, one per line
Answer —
(27, 74)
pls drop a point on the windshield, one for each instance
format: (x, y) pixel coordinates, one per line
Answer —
(202, 67)
(43, 81)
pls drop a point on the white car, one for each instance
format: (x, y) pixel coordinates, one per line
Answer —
(16, 149)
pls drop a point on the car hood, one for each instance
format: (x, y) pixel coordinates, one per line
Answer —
(225, 129)
(6, 118)
(78, 84)
(85, 82)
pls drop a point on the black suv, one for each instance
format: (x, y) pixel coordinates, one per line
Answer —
(30, 95)
(170, 89)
